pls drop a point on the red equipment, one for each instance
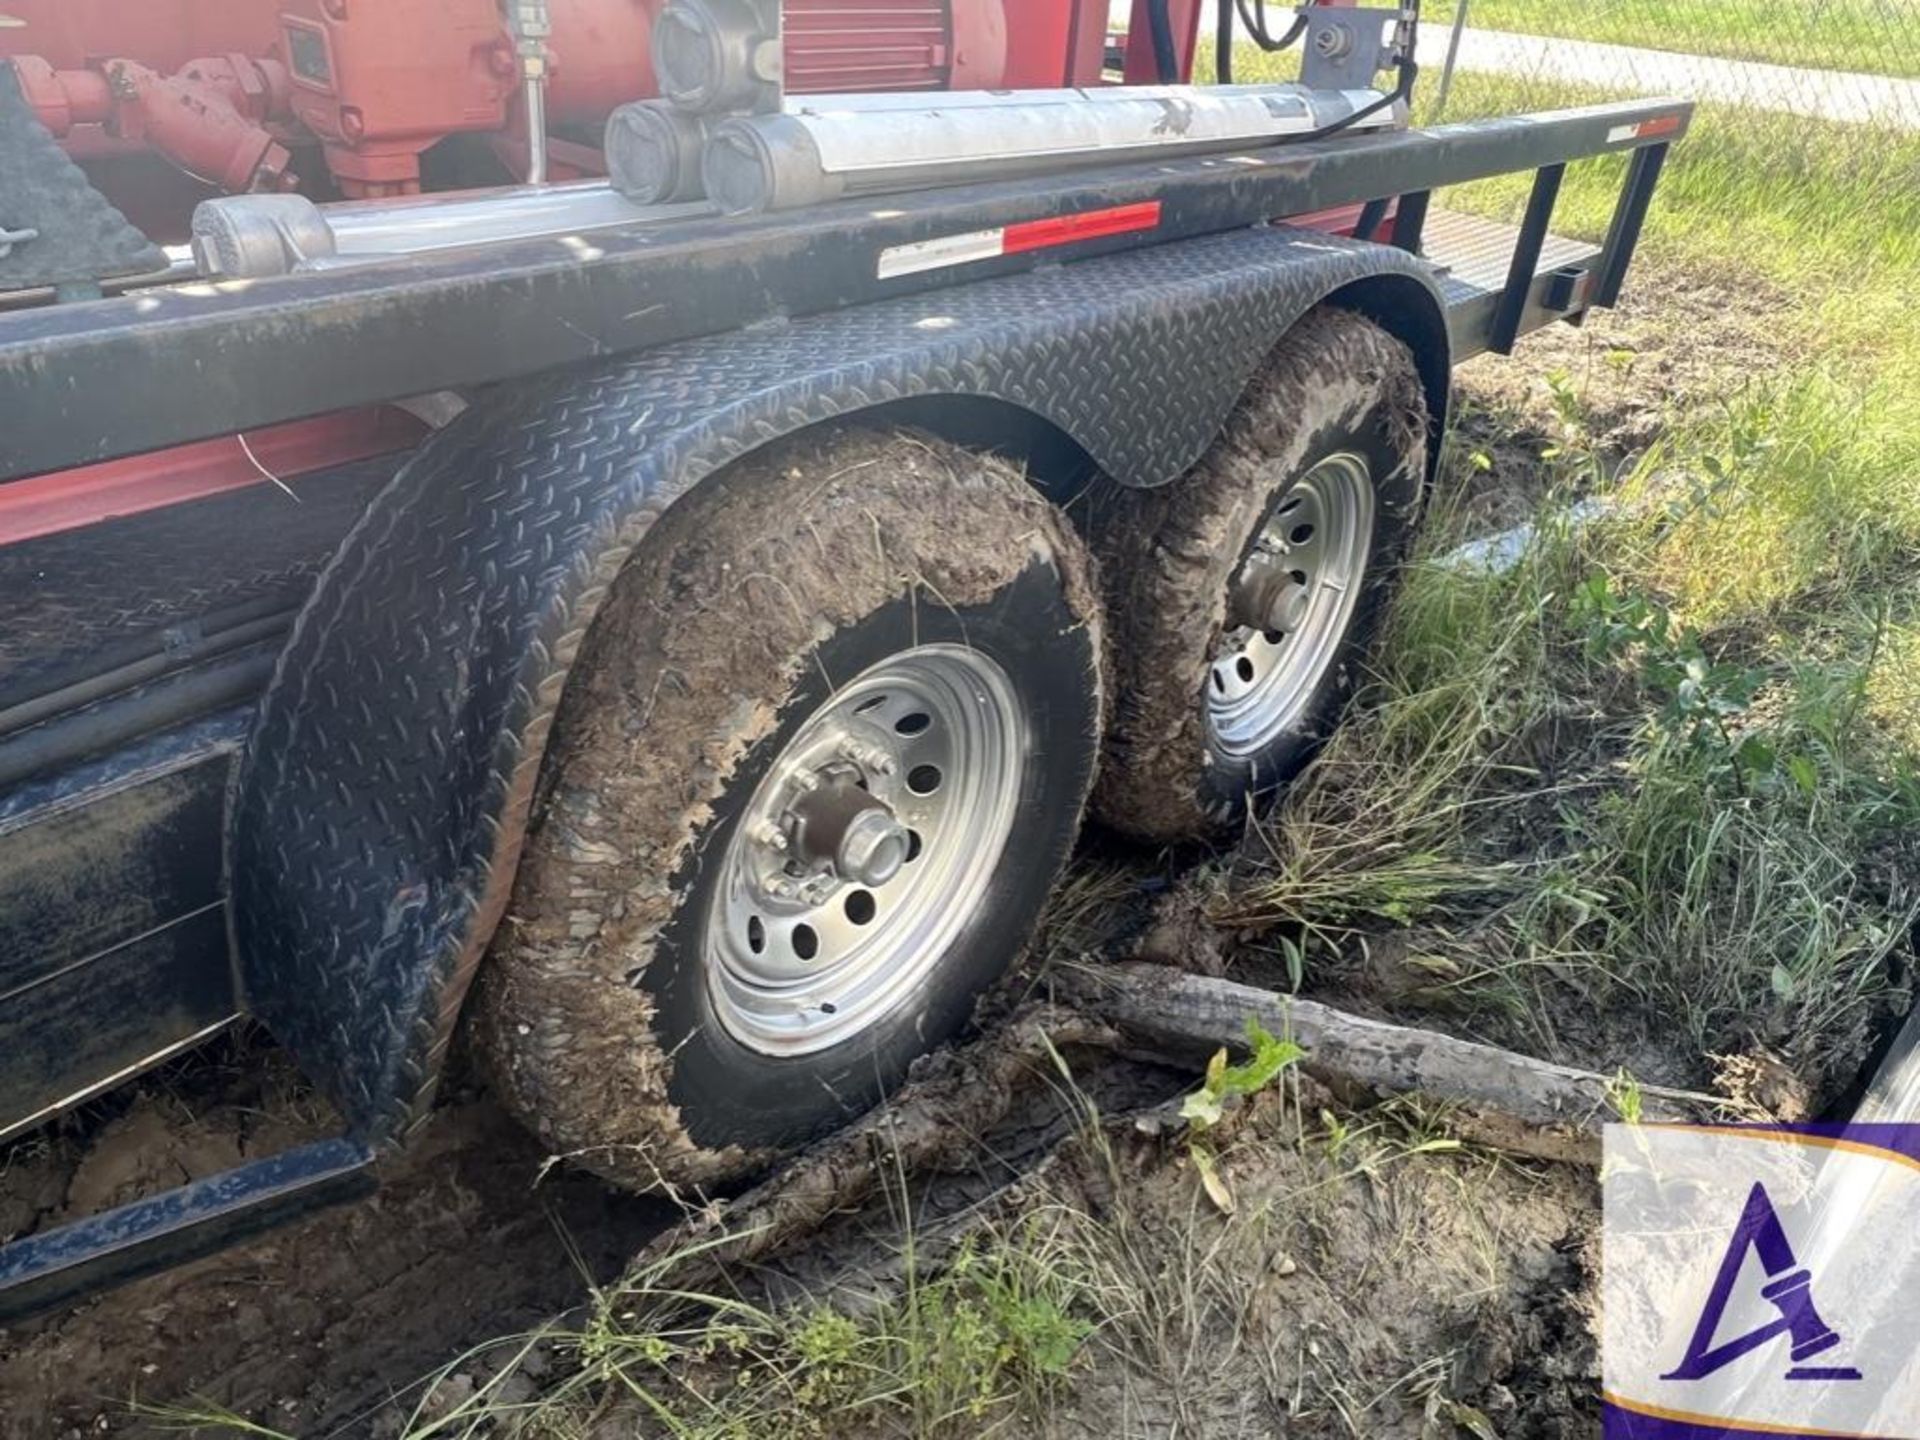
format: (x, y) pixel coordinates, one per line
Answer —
(234, 91)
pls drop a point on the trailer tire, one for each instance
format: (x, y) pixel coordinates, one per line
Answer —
(650, 1007)
(1334, 425)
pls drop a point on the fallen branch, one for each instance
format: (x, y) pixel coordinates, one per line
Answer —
(1495, 1097)
(1506, 1100)
(935, 1123)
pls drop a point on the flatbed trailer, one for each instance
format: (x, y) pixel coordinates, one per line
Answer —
(274, 708)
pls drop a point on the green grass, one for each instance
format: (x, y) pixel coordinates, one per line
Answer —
(1870, 36)
(1830, 211)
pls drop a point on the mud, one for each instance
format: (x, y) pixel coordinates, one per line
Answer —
(1371, 1281)
(1678, 334)
(312, 1328)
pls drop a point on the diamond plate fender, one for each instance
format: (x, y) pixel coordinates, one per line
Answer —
(378, 814)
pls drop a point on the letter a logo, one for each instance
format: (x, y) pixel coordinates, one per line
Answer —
(1789, 1287)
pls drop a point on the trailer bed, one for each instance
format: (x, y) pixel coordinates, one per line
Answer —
(215, 358)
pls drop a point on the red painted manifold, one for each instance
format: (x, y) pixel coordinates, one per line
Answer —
(227, 88)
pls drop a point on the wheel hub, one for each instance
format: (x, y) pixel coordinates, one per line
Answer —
(843, 827)
(866, 850)
(1289, 607)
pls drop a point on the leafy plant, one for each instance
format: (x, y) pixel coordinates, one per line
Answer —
(1224, 1084)
(1267, 1057)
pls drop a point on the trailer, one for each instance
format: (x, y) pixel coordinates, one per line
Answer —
(663, 631)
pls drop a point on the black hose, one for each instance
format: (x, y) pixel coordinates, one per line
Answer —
(1160, 24)
(1253, 15)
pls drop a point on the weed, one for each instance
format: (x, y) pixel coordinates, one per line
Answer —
(1225, 1083)
(1623, 1094)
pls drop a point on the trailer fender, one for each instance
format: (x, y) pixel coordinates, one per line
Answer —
(377, 815)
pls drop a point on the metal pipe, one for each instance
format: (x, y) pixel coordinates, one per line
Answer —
(536, 94)
(532, 27)
(1453, 55)
(251, 237)
(829, 146)
(181, 267)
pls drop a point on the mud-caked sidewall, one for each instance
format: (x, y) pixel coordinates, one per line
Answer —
(1337, 383)
(749, 601)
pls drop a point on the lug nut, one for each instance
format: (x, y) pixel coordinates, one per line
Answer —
(867, 757)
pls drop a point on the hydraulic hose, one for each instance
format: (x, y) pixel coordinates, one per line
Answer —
(1253, 15)
(1160, 25)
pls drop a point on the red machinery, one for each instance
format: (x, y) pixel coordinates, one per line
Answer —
(347, 95)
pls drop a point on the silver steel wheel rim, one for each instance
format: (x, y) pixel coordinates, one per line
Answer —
(913, 768)
(1289, 606)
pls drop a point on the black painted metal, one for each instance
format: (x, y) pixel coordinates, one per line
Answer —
(90, 874)
(377, 813)
(151, 757)
(1523, 270)
(106, 1018)
(1623, 235)
(1410, 220)
(166, 586)
(148, 1235)
(113, 940)
(172, 699)
(1373, 215)
(217, 359)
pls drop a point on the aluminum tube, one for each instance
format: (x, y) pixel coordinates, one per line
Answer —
(536, 95)
(251, 237)
(477, 217)
(827, 147)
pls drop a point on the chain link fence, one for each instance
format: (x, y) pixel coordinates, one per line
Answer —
(1852, 63)
(1801, 103)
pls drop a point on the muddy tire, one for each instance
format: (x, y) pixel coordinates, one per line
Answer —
(826, 748)
(1243, 595)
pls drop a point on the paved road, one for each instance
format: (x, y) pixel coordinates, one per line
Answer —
(1826, 94)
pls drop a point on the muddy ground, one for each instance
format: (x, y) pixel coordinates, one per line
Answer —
(1476, 1264)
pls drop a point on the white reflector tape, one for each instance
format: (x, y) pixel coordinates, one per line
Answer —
(937, 254)
(1018, 238)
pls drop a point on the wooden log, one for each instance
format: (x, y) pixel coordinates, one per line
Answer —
(1503, 1099)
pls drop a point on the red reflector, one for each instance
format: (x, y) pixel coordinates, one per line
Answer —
(1088, 225)
(1665, 125)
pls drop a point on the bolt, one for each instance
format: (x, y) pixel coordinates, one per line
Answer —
(765, 832)
(1334, 42)
(867, 757)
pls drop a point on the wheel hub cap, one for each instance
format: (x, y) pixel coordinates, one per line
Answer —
(865, 851)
